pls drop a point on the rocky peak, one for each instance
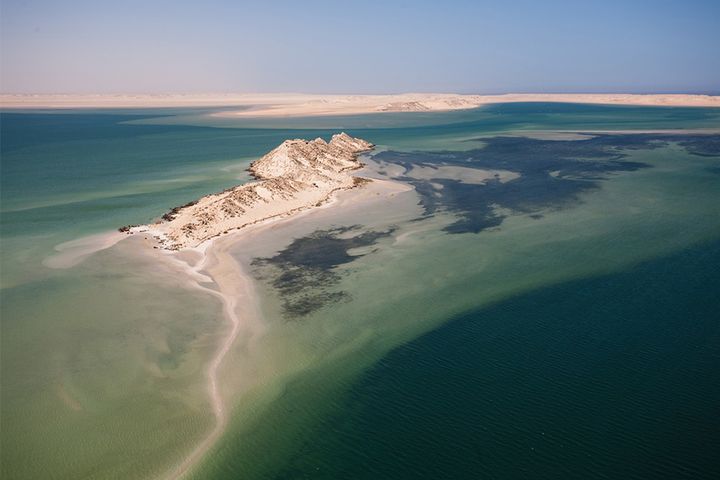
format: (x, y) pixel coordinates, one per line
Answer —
(295, 175)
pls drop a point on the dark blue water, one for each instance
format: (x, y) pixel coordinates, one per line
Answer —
(616, 377)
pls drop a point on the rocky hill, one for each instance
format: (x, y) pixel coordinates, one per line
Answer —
(296, 175)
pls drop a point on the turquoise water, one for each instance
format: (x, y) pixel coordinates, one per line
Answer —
(562, 323)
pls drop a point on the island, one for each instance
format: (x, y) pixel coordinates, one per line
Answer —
(297, 175)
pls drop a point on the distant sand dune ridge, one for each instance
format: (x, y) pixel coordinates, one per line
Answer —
(297, 104)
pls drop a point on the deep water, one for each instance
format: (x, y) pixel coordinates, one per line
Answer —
(611, 377)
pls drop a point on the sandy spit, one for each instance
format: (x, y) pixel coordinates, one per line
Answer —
(211, 263)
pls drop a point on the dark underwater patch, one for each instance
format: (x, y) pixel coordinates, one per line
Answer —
(553, 173)
(305, 273)
(703, 145)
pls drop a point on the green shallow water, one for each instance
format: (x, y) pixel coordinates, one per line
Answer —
(555, 316)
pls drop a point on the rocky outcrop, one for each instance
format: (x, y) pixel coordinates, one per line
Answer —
(296, 175)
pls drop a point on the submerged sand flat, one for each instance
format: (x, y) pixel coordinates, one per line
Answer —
(293, 177)
(297, 105)
(217, 273)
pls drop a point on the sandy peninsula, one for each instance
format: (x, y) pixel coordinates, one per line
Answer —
(299, 105)
(295, 176)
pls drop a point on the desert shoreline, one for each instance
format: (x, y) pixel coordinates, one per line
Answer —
(212, 268)
(300, 105)
(212, 263)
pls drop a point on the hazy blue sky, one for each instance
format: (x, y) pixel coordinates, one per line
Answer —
(360, 47)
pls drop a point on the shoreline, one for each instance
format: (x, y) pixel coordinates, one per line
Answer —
(236, 291)
(210, 267)
(267, 105)
(241, 306)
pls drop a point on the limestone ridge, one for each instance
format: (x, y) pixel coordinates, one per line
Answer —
(296, 175)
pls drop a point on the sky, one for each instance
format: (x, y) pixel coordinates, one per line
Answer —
(155, 46)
